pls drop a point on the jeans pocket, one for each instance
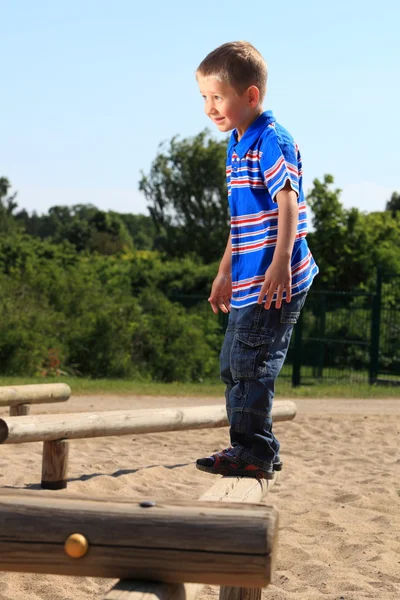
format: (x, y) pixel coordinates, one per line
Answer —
(249, 351)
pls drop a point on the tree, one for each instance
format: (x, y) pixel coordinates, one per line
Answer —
(7, 207)
(340, 242)
(83, 225)
(186, 191)
(141, 229)
(394, 203)
(348, 245)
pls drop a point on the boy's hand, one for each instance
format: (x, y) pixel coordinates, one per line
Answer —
(278, 277)
(221, 293)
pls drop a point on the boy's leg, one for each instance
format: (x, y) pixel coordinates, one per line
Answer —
(225, 359)
(252, 356)
(256, 360)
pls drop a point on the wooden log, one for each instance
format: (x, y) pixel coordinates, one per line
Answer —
(224, 489)
(241, 489)
(55, 465)
(34, 394)
(173, 542)
(19, 410)
(88, 425)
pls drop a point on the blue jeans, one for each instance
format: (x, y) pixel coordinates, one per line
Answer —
(254, 350)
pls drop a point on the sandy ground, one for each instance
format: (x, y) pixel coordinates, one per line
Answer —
(338, 496)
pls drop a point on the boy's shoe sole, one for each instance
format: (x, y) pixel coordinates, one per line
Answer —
(277, 466)
(223, 464)
(229, 472)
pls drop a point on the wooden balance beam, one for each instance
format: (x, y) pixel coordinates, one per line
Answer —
(225, 489)
(18, 397)
(173, 541)
(56, 430)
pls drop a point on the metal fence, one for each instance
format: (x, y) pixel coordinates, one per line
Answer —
(351, 336)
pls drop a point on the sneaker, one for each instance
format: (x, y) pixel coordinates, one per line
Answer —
(224, 463)
(277, 465)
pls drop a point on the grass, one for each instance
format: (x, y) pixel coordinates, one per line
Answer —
(103, 387)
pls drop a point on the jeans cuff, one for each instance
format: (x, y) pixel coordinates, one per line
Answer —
(242, 453)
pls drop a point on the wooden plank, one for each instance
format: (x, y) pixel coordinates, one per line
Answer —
(224, 489)
(34, 394)
(173, 542)
(239, 489)
(243, 490)
(87, 425)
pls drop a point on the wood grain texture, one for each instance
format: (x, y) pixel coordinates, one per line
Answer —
(173, 542)
(34, 394)
(224, 489)
(243, 490)
(55, 465)
(87, 425)
(19, 410)
(239, 489)
(239, 593)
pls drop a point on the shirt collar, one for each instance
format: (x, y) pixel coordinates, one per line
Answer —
(250, 135)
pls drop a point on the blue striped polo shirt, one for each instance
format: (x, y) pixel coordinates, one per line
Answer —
(257, 168)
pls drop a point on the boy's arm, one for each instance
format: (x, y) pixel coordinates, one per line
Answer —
(225, 265)
(221, 291)
(279, 274)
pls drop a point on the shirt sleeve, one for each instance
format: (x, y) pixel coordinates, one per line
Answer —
(279, 164)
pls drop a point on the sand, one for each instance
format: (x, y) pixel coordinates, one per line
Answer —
(338, 496)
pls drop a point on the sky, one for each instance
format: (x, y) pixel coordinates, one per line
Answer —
(90, 88)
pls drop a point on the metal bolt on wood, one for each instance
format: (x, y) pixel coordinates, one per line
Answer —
(76, 545)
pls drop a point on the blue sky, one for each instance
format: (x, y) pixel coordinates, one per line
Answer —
(89, 88)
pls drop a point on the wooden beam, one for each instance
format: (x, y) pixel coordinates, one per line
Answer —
(173, 542)
(228, 489)
(42, 393)
(87, 425)
(239, 489)
(224, 489)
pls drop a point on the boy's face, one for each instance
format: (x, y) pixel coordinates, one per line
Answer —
(224, 106)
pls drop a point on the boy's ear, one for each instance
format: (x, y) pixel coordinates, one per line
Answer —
(253, 94)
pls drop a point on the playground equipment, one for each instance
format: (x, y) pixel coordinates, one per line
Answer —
(56, 430)
(18, 397)
(225, 489)
(172, 541)
(162, 550)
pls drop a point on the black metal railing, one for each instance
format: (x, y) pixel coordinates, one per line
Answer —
(351, 336)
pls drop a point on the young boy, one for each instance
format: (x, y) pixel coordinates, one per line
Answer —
(267, 267)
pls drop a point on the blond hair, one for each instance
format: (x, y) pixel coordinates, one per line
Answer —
(238, 64)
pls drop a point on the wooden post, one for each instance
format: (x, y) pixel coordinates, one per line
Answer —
(55, 465)
(237, 593)
(19, 410)
(172, 541)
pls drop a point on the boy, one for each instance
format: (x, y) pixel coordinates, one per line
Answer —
(267, 267)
